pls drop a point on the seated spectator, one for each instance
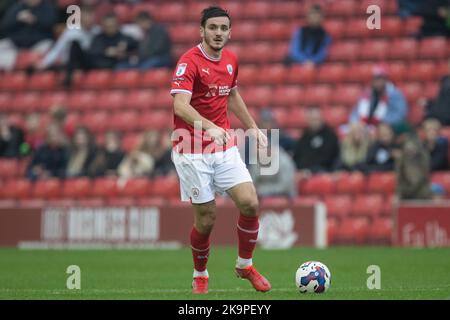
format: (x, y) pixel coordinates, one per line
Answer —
(318, 148)
(408, 8)
(159, 147)
(309, 44)
(70, 48)
(436, 145)
(28, 24)
(354, 148)
(11, 139)
(34, 131)
(81, 154)
(50, 159)
(382, 152)
(267, 121)
(413, 171)
(109, 157)
(439, 108)
(154, 49)
(282, 183)
(436, 18)
(110, 46)
(382, 102)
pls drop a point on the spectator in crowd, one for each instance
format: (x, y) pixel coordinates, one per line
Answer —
(81, 154)
(436, 18)
(408, 8)
(71, 47)
(11, 138)
(383, 102)
(159, 147)
(282, 182)
(413, 171)
(154, 49)
(267, 121)
(318, 147)
(382, 153)
(50, 159)
(354, 148)
(34, 131)
(109, 157)
(309, 44)
(58, 116)
(110, 46)
(439, 108)
(28, 24)
(436, 145)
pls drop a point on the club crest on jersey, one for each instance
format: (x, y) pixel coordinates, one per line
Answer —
(230, 69)
(181, 69)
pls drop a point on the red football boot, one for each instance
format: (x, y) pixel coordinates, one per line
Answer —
(256, 279)
(200, 285)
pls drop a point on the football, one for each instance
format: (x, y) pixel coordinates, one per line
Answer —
(313, 276)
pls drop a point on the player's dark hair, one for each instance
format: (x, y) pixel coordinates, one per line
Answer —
(213, 12)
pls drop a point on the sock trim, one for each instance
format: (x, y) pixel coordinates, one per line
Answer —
(248, 231)
(199, 250)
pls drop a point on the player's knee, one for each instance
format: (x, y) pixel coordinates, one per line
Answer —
(249, 206)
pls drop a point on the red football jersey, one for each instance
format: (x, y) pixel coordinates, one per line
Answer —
(209, 80)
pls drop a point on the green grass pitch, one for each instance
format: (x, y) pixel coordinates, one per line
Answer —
(166, 274)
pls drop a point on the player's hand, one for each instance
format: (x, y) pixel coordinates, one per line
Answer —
(219, 135)
(261, 139)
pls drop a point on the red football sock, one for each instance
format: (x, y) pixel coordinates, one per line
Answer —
(247, 229)
(200, 249)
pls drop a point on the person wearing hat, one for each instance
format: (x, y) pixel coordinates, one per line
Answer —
(381, 103)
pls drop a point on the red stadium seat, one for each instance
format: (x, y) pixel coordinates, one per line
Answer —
(111, 100)
(98, 79)
(270, 30)
(301, 74)
(350, 183)
(391, 27)
(412, 91)
(374, 49)
(91, 202)
(194, 8)
(156, 78)
(272, 74)
(16, 189)
(403, 49)
(51, 99)
(342, 8)
(352, 231)
(46, 80)
(422, 71)
(139, 99)
(415, 114)
(27, 101)
(412, 25)
(318, 185)
(248, 75)
(123, 121)
(61, 202)
(105, 188)
(123, 12)
(388, 207)
(397, 71)
(335, 28)
(158, 120)
(6, 102)
(332, 226)
(259, 97)
(163, 99)
(296, 118)
(131, 141)
(338, 206)
(26, 58)
(331, 73)
(347, 95)
(245, 31)
(367, 205)
(287, 96)
(380, 231)
(257, 10)
(336, 116)
(47, 189)
(382, 182)
(128, 79)
(151, 202)
(360, 72)
(442, 67)
(258, 52)
(83, 100)
(185, 33)
(317, 94)
(121, 202)
(32, 203)
(96, 121)
(15, 81)
(433, 48)
(431, 90)
(9, 168)
(137, 187)
(171, 12)
(275, 202)
(288, 9)
(344, 51)
(357, 28)
(77, 188)
(167, 187)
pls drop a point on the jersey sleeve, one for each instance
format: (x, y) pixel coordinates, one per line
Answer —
(183, 77)
(235, 75)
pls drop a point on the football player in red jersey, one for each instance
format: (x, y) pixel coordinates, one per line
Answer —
(204, 152)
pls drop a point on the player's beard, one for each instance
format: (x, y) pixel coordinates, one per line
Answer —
(214, 45)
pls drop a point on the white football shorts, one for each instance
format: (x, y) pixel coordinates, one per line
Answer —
(202, 175)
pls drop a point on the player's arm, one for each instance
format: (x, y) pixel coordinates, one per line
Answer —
(237, 105)
(184, 110)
